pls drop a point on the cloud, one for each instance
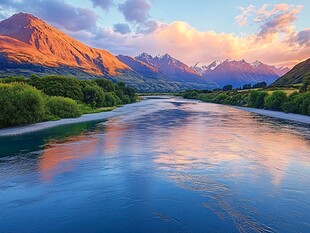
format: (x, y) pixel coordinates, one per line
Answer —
(190, 45)
(279, 20)
(122, 28)
(242, 19)
(104, 4)
(56, 12)
(301, 38)
(137, 12)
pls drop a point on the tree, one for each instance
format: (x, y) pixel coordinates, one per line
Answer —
(257, 99)
(94, 96)
(20, 104)
(228, 88)
(58, 86)
(260, 85)
(62, 107)
(246, 86)
(275, 101)
(306, 84)
(107, 85)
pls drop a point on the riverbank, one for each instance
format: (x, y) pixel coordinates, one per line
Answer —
(280, 115)
(18, 130)
(126, 109)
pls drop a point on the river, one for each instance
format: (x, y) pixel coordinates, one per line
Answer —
(168, 165)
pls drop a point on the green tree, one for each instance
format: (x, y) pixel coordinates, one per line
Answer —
(260, 85)
(246, 86)
(275, 101)
(228, 88)
(94, 96)
(62, 107)
(257, 99)
(306, 84)
(107, 85)
(58, 86)
(20, 104)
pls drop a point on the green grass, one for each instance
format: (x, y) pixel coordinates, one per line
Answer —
(88, 110)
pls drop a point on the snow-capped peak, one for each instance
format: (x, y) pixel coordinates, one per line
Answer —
(256, 63)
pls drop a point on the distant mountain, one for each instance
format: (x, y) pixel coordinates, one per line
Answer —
(296, 75)
(139, 66)
(240, 72)
(172, 68)
(168, 69)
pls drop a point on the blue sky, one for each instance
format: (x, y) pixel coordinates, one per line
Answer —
(201, 14)
(273, 31)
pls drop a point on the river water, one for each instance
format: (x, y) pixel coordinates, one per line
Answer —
(170, 165)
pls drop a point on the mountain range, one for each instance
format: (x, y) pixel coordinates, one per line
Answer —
(28, 46)
(240, 72)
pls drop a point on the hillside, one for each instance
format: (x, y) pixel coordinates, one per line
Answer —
(295, 76)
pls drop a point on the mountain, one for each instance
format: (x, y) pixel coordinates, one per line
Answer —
(139, 66)
(172, 68)
(296, 75)
(28, 46)
(167, 69)
(26, 39)
(240, 72)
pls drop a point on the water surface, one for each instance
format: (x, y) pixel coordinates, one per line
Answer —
(171, 165)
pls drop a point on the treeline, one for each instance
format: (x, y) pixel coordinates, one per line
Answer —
(29, 100)
(297, 102)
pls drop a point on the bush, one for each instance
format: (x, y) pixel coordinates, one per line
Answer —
(275, 101)
(227, 88)
(257, 99)
(106, 85)
(94, 96)
(220, 98)
(260, 85)
(62, 107)
(111, 99)
(58, 86)
(20, 104)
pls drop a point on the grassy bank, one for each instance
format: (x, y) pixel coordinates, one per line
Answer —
(286, 100)
(36, 99)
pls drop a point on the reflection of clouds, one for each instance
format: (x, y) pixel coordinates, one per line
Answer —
(210, 149)
(59, 158)
(113, 134)
(207, 141)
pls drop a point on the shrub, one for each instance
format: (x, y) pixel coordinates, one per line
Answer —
(220, 98)
(257, 99)
(62, 107)
(20, 104)
(260, 85)
(275, 101)
(227, 88)
(111, 99)
(94, 96)
(58, 86)
(106, 85)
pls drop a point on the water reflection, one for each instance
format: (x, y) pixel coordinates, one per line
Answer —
(171, 165)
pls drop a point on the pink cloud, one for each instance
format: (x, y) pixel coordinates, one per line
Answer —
(190, 45)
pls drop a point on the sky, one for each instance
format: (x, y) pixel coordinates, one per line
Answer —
(274, 32)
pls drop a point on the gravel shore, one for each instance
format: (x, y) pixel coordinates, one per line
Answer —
(280, 115)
